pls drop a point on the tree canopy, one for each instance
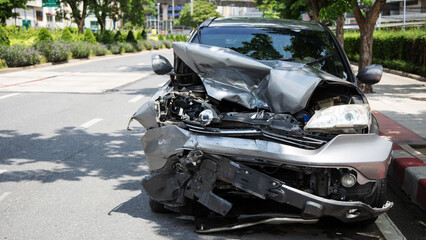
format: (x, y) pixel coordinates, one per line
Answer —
(202, 11)
(6, 9)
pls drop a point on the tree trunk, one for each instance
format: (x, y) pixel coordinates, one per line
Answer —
(316, 7)
(339, 29)
(366, 23)
(366, 53)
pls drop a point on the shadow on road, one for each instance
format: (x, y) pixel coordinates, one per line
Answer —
(70, 155)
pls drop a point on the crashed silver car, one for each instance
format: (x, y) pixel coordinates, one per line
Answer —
(262, 122)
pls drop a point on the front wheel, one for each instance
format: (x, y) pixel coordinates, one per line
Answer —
(377, 199)
(157, 207)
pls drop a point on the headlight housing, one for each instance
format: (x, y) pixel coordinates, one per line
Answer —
(341, 117)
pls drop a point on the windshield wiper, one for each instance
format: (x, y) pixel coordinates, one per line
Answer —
(319, 60)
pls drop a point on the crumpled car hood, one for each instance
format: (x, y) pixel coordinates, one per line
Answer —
(282, 87)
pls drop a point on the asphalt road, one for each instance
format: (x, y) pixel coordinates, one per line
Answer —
(69, 169)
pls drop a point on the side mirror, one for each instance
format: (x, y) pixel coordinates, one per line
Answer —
(160, 65)
(370, 74)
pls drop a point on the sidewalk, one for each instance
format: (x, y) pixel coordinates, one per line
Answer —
(399, 104)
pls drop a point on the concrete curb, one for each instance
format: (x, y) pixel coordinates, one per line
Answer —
(410, 173)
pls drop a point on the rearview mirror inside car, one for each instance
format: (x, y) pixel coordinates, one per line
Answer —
(370, 74)
(160, 64)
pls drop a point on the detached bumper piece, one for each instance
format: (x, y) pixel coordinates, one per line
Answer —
(195, 179)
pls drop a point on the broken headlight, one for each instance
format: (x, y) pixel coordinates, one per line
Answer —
(340, 117)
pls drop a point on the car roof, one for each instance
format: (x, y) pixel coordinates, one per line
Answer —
(252, 22)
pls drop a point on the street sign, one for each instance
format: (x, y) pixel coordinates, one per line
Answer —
(50, 3)
(26, 23)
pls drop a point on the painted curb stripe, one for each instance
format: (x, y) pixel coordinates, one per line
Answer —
(400, 166)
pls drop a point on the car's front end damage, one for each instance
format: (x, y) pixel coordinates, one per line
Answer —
(253, 142)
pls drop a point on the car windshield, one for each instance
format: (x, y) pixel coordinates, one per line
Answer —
(304, 46)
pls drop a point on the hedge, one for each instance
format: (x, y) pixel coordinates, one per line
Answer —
(400, 50)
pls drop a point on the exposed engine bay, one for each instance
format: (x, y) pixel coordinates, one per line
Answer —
(228, 132)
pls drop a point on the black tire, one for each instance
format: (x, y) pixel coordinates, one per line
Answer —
(157, 207)
(377, 199)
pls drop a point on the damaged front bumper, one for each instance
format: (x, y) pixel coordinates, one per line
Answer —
(176, 177)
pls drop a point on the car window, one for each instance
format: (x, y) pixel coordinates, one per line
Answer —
(304, 46)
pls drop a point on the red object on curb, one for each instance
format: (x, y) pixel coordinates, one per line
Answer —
(400, 164)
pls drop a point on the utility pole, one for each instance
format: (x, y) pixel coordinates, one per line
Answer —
(173, 16)
(158, 18)
(405, 7)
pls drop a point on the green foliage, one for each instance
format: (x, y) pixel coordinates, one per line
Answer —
(128, 47)
(80, 49)
(167, 43)
(19, 56)
(282, 8)
(170, 37)
(401, 50)
(130, 37)
(128, 26)
(119, 37)
(73, 30)
(99, 50)
(6, 9)
(3, 63)
(142, 35)
(89, 37)
(4, 39)
(160, 37)
(44, 35)
(202, 11)
(148, 45)
(115, 48)
(106, 37)
(66, 35)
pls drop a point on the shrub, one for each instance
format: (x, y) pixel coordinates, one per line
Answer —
(44, 35)
(148, 45)
(115, 48)
(160, 37)
(89, 37)
(170, 37)
(106, 37)
(142, 35)
(157, 44)
(59, 51)
(3, 64)
(99, 50)
(80, 49)
(119, 37)
(130, 37)
(18, 56)
(43, 47)
(73, 30)
(128, 47)
(66, 35)
(401, 50)
(167, 43)
(4, 39)
(139, 46)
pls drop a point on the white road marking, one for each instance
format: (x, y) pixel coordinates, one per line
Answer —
(9, 95)
(160, 85)
(4, 195)
(122, 68)
(144, 64)
(135, 99)
(3, 171)
(388, 228)
(90, 123)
